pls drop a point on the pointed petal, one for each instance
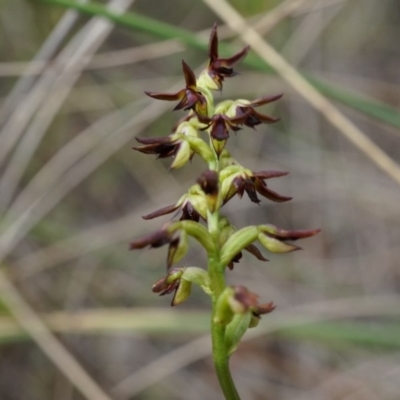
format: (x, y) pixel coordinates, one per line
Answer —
(231, 61)
(295, 235)
(251, 248)
(240, 119)
(167, 96)
(213, 44)
(265, 100)
(254, 118)
(269, 174)
(219, 130)
(261, 188)
(155, 140)
(189, 213)
(155, 239)
(190, 77)
(265, 308)
(251, 192)
(263, 118)
(161, 211)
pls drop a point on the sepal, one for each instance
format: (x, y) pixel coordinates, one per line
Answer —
(197, 231)
(177, 249)
(237, 242)
(223, 311)
(199, 277)
(236, 329)
(275, 245)
(182, 292)
(182, 156)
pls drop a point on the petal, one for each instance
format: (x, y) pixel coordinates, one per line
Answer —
(231, 61)
(251, 248)
(209, 182)
(190, 77)
(239, 119)
(265, 100)
(269, 174)
(161, 149)
(189, 213)
(294, 235)
(161, 211)
(245, 297)
(167, 96)
(155, 140)
(219, 130)
(265, 308)
(155, 239)
(251, 192)
(261, 188)
(213, 44)
(254, 118)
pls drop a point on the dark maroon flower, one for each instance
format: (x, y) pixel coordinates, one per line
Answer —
(255, 183)
(188, 211)
(249, 301)
(162, 146)
(209, 182)
(172, 283)
(253, 117)
(163, 287)
(153, 240)
(283, 234)
(221, 68)
(190, 97)
(220, 125)
(251, 248)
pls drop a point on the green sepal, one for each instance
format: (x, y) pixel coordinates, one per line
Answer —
(205, 81)
(182, 292)
(223, 311)
(174, 275)
(254, 321)
(197, 231)
(236, 329)
(200, 147)
(182, 156)
(177, 251)
(198, 276)
(223, 107)
(237, 242)
(218, 145)
(275, 245)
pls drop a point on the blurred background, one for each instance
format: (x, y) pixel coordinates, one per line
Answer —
(72, 193)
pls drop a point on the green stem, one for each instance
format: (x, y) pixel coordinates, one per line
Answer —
(221, 362)
(219, 346)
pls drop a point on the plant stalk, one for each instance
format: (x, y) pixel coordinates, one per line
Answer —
(219, 347)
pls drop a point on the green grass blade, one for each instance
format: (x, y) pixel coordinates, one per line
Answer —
(385, 335)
